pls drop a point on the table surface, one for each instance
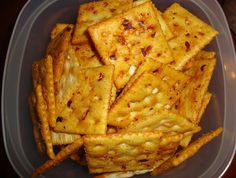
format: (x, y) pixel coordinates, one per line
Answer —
(8, 14)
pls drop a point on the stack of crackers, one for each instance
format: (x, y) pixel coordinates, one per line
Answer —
(124, 89)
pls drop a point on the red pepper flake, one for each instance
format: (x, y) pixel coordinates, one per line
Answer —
(89, 8)
(123, 167)
(121, 39)
(101, 76)
(201, 33)
(153, 34)
(156, 71)
(175, 25)
(173, 62)
(113, 57)
(187, 34)
(187, 45)
(126, 58)
(127, 25)
(158, 54)
(151, 27)
(85, 114)
(68, 29)
(69, 103)
(141, 23)
(59, 119)
(202, 67)
(105, 4)
(146, 50)
(112, 10)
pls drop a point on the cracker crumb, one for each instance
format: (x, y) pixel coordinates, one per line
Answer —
(155, 90)
(132, 69)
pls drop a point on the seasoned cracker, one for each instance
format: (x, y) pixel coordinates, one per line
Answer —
(205, 55)
(117, 40)
(61, 156)
(36, 125)
(125, 174)
(78, 57)
(58, 48)
(94, 12)
(192, 96)
(186, 153)
(69, 81)
(113, 94)
(147, 95)
(63, 138)
(202, 55)
(164, 121)
(43, 75)
(191, 34)
(87, 57)
(174, 78)
(164, 27)
(58, 28)
(127, 151)
(186, 140)
(149, 66)
(42, 114)
(86, 112)
(206, 99)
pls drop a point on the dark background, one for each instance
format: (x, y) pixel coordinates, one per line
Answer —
(9, 11)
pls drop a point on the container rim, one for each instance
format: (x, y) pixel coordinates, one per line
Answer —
(5, 73)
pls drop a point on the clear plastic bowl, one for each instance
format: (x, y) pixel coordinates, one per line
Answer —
(28, 43)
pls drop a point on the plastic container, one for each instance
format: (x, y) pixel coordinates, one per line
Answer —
(28, 43)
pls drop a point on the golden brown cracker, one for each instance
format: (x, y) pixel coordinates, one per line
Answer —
(94, 12)
(42, 114)
(186, 153)
(191, 34)
(164, 27)
(117, 40)
(192, 96)
(78, 57)
(63, 138)
(43, 75)
(164, 121)
(127, 151)
(86, 55)
(147, 95)
(61, 156)
(123, 174)
(186, 140)
(113, 94)
(206, 99)
(58, 28)
(69, 80)
(86, 111)
(149, 66)
(36, 125)
(174, 78)
(57, 48)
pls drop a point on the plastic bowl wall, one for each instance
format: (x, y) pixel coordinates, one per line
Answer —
(28, 43)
